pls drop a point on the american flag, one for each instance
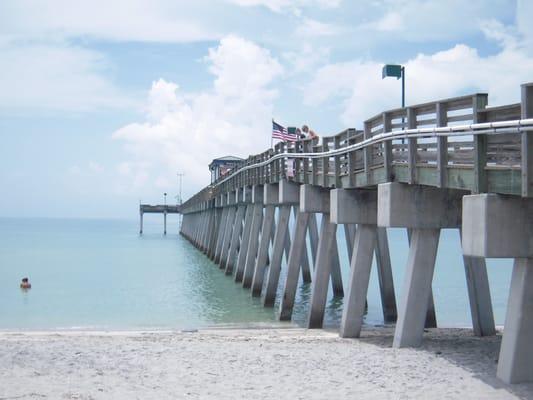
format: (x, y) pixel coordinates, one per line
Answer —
(279, 132)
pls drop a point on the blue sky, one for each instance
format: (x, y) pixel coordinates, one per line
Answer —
(102, 103)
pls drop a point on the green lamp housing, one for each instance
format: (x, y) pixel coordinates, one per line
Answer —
(392, 70)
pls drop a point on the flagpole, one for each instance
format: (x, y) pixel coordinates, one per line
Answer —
(271, 138)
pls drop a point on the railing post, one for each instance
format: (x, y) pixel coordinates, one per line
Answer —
(351, 161)
(314, 164)
(305, 161)
(411, 146)
(281, 162)
(367, 152)
(325, 162)
(337, 142)
(527, 142)
(479, 102)
(387, 148)
(442, 146)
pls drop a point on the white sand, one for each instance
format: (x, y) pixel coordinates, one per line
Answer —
(249, 364)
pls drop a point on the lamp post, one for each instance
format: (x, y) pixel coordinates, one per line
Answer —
(397, 71)
(164, 194)
(180, 177)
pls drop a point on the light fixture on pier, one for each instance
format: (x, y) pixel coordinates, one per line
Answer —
(397, 71)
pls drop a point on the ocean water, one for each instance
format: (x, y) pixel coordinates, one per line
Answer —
(100, 274)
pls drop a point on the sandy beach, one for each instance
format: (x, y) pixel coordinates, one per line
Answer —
(250, 364)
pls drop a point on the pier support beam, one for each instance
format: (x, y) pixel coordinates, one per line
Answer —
(228, 230)
(255, 230)
(313, 237)
(314, 199)
(502, 227)
(288, 195)
(141, 223)
(304, 257)
(235, 239)
(270, 200)
(217, 219)
(431, 316)
(360, 207)
(425, 210)
(220, 235)
(351, 207)
(293, 265)
(386, 282)
(245, 242)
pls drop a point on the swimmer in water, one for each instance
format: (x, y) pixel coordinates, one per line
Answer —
(25, 284)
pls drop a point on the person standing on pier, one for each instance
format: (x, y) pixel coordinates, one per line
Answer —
(310, 134)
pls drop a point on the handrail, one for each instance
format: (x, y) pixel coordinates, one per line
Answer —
(501, 127)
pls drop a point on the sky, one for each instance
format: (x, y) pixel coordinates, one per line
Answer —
(102, 103)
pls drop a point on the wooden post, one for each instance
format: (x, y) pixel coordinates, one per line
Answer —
(141, 222)
(411, 146)
(387, 148)
(479, 102)
(442, 146)
(367, 153)
(527, 142)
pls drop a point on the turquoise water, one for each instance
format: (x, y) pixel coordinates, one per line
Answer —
(100, 274)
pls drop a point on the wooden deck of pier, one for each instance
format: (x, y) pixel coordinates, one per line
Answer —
(453, 163)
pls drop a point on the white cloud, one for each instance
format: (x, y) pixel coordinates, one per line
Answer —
(392, 21)
(90, 169)
(184, 132)
(458, 70)
(56, 76)
(424, 21)
(280, 5)
(311, 28)
(95, 167)
(307, 58)
(524, 10)
(119, 20)
(74, 170)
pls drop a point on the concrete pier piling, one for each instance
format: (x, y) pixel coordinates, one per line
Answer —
(426, 210)
(314, 199)
(270, 199)
(288, 195)
(356, 207)
(495, 226)
(255, 231)
(459, 165)
(245, 241)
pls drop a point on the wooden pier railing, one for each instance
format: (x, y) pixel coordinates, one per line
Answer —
(457, 143)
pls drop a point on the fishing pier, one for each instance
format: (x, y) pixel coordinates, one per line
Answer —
(449, 164)
(156, 209)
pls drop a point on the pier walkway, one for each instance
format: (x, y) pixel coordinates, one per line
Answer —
(453, 163)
